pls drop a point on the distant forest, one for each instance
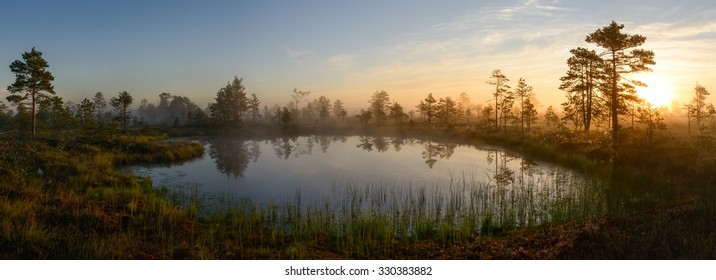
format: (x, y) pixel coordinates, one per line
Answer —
(598, 98)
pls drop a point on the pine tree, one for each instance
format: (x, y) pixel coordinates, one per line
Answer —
(501, 89)
(620, 61)
(379, 102)
(32, 81)
(121, 103)
(582, 82)
(85, 114)
(524, 93)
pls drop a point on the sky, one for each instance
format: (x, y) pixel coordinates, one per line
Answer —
(343, 49)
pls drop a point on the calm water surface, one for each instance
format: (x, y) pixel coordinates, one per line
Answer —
(274, 170)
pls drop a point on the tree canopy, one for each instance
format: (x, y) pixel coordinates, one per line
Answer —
(622, 58)
(32, 81)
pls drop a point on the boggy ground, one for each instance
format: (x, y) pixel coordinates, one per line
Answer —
(65, 199)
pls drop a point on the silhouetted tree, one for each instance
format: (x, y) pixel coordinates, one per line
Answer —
(582, 82)
(698, 108)
(324, 108)
(32, 81)
(446, 110)
(298, 96)
(524, 93)
(339, 111)
(621, 61)
(487, 115)
(529, 113)
(427, 108)
(550, 117)
(121, 103)
(100, 104)
(85, 114)
(378, 104)
(501, 90)
(463, 107)
(230, 103)
(254, 105)
(396, 113)
(364, 116)
(506, 108)
(652, 120)
(284, 116)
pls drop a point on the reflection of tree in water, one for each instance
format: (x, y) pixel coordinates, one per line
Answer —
(232, 155)
(527, 167)
(502, 174)
(282, 146)
(397, 142)
(324, 142)
(365, 143)
(302, 148)
(254, 150)
(432, 151)
(437, 150)
(285, 147)
(379, 143)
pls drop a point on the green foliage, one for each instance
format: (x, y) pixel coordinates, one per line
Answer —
(121, 103)
(619, 60)
(85, 114)
(229, 105)
(32, 80)
(253, 107)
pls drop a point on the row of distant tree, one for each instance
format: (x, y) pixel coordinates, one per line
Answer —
(596, 91)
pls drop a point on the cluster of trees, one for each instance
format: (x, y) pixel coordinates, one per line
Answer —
(37, 104)
(505, 109)
(381, 111)
(232, 108)
(171, 110)
(698, 109)
(598, 92)
(445, 110)
(596, 85)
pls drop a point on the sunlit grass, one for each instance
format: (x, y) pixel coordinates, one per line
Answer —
(363, 221)
(67, 200)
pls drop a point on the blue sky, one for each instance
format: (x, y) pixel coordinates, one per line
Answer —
(341, 49)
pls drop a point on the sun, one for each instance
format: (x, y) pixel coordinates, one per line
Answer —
(660, 91)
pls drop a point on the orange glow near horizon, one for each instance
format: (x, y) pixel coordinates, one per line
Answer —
(660, 90)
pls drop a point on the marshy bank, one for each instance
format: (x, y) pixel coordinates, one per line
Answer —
(66, 200)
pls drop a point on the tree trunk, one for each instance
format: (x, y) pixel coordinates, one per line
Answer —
(615, 119)
(34, 118)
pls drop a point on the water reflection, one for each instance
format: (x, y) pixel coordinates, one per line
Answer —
(232, 155)
(431, 153)
(503, 173)
(437, 150)
(484, 182)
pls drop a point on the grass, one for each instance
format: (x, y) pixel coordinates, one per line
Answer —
(369, 221)
(62, 199)
(66, 200)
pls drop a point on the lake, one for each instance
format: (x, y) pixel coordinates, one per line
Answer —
(311, 170)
